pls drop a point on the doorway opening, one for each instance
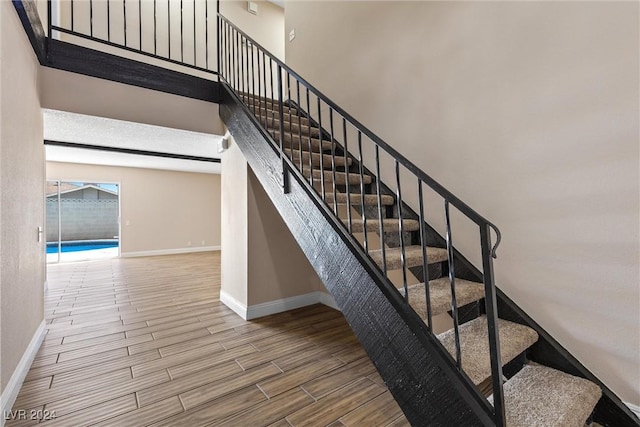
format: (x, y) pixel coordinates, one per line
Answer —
(83, 220)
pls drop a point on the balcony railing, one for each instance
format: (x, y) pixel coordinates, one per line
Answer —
(177, 34)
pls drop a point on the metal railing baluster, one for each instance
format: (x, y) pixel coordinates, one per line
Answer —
(109, 19)
(194, 33)
(291, 142)
(258, 113)
(91, 17)
(264, 82)
(333, 162)
(285, 174)
(206, 35)
(310, 150)
(425, 261)
(346, 172)
(452, 281)
(273, 112)
(323, 190)
(380, 216)
(242, 71)
(362, 198)
(491, 309)
(299, 125)
(250, 77)
(155, 27)
(124, 15)
(403, 258)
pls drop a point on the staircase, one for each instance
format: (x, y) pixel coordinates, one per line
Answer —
(504, 367)
(536, 395)
(509, 370)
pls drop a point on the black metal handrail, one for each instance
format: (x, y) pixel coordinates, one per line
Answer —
(144, 30)
(245, 66)
(424, 177)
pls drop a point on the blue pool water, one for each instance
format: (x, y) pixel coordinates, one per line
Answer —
(52, 248)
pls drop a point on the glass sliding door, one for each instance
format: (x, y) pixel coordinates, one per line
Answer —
(82, 221)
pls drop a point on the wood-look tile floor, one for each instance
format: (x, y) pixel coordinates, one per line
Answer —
(146, 341)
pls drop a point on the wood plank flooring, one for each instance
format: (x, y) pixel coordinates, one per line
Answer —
(146, 342)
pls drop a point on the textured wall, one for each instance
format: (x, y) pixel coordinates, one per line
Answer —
(529, 112)
(22, 264)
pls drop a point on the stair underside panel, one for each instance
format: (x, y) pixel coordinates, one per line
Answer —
(474, 342)
(427, 393)
(539, 396)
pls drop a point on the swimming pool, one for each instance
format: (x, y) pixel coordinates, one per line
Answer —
(85, 245)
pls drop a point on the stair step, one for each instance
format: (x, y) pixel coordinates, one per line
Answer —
(315, 158)
(413, 256)
(440, 295)
(369, 199)
(474, 344)
(290, 114)
(315, 143)
(542, 396)
(252, 100)
(390, 225)
(341, 179)
(293, 127)
(274, 118)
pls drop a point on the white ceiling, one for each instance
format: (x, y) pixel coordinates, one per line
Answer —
(99, 131)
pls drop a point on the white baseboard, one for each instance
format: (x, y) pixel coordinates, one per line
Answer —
(169, 251)
(10, 392)
(277, 306)
(235, 305)
(634, 408)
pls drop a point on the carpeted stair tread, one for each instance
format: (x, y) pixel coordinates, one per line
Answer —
(341, 178)
(440, 295)
(474, 343)
(315, 158)
(293, 127)
(390, 225)
(413, 256)
(288, 114)
(252, 100)
(539, 396)
(369, 199)
(297, 140)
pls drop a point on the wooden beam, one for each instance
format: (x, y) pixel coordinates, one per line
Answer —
(81, 60)
(28, 14)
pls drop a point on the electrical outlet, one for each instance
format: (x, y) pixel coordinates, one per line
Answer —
(292, 34)
(202, 243)
(189, 243)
